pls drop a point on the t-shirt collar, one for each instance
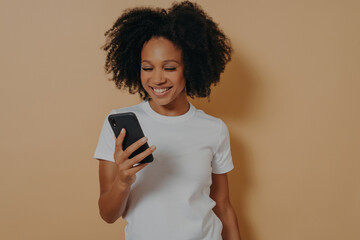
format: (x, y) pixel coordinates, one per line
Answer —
(168, 119)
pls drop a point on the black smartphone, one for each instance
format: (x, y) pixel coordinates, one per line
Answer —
(129, 121)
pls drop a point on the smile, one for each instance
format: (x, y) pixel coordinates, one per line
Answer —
(160, 91)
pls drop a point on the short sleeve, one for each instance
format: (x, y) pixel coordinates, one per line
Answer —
(106, 144)
(222, 160)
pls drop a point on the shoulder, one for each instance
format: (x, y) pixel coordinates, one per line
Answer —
(137, 108)
(213, 126)
(209, 120)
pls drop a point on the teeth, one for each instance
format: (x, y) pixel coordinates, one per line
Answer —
(160, 90)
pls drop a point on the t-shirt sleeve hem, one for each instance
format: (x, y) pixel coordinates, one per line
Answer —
(223, 170)
(103, 157)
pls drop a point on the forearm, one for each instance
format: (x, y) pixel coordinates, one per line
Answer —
(113, 202)
(230, 224)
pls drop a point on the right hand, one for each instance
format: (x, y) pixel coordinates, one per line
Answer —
(126, 171)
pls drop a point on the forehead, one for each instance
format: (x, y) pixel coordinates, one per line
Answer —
(160, 49)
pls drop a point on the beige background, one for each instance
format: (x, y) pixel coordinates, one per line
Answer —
(290, 98)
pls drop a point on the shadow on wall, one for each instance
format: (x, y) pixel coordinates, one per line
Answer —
(232, 100)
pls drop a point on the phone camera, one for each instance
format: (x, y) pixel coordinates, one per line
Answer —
(113, 122)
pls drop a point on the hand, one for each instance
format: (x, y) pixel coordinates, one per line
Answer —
(127, 173)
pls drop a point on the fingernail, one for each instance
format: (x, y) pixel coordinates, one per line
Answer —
(152, 147)
(144, 139)
(122, 130)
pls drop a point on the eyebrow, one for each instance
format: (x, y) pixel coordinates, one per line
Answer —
(168, 60)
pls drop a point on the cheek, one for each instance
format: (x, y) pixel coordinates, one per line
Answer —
(178, 79)
(181, 80)
(143, 77)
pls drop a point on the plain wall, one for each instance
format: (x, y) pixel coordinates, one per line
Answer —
(290, 97)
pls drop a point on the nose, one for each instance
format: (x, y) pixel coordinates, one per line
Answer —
(158, 77)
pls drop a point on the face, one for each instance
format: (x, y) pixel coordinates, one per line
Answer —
(162, 73)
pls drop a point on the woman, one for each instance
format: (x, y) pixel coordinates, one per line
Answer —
(165, 56)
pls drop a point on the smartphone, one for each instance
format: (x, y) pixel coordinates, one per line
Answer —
(129, 121)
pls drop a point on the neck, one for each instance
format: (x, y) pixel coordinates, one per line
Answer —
(171, 109)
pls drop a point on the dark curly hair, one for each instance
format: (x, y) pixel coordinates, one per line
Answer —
(205, 48)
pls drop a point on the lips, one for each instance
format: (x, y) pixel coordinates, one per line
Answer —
(160, 91)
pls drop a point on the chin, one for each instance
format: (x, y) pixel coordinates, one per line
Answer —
(161, 101)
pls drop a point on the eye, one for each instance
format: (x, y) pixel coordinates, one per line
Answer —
(146, 69)
(170, 68)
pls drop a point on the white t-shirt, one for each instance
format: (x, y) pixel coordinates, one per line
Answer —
(170, 197)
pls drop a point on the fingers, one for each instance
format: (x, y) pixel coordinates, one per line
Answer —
(121, 155)
(140, 156)
(119, 140)
(118, 144)
(129, 150)
(127, 166)
(134, 170)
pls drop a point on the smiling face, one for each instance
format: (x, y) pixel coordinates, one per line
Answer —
(162, 76)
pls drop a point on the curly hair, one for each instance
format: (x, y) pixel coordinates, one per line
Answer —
(205, 48)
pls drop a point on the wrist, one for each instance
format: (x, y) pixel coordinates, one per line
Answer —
(120, 184)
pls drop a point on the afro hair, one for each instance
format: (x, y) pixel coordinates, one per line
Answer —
(205, 48)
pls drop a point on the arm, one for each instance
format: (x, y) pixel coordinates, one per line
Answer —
(219, 192)
(117, 177)
(113, 194)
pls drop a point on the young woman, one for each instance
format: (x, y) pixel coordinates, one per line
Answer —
(166, 56)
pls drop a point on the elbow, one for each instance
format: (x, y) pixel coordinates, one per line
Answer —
(108, 219)
(105, 214)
